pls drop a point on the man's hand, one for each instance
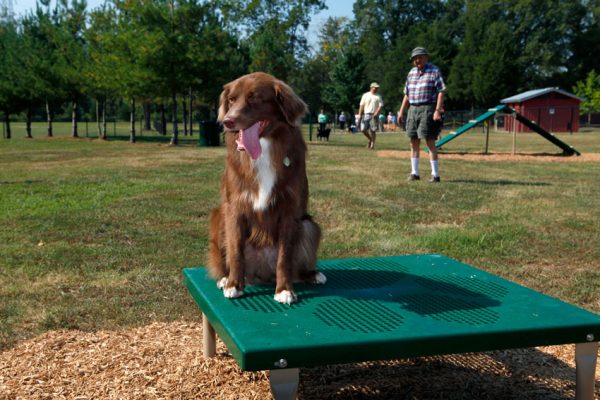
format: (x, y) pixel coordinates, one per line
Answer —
(400, 116)
(437, 116)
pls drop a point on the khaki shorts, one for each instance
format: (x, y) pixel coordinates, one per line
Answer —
(368, 123)
(420, 124)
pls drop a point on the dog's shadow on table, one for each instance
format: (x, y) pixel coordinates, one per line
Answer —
(443, 298)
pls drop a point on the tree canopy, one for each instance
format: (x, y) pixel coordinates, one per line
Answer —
(145, 52)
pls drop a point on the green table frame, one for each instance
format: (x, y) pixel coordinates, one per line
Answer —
(388, 308)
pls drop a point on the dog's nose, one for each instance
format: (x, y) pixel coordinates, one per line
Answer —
(229, 123)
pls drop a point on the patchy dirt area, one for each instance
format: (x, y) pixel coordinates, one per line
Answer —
(544, 157)
(164, 361)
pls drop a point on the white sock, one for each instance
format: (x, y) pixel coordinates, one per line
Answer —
(414, 163)
(435, 168)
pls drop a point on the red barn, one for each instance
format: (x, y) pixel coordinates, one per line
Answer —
(552, 108)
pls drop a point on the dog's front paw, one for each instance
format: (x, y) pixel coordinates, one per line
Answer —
(320, 278)
(222, 283)
(286, 297)
(232, 292)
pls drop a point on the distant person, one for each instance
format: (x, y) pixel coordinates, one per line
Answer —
(390, 118)
(369, 108)
(342, 120)
(424, 91)
(322, 118)
(381, 121)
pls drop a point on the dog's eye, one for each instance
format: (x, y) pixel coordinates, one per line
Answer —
(231, 100)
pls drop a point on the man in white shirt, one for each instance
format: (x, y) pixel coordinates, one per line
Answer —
(370, 105)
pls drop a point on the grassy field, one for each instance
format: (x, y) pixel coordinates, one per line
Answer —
(94, 234)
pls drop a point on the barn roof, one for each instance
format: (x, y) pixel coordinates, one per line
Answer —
(530, 94)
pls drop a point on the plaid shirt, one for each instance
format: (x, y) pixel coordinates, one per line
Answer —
(423, 87)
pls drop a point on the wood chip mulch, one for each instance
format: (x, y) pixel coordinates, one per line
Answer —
(164, 361)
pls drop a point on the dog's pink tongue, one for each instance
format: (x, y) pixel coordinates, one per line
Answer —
(248, 140)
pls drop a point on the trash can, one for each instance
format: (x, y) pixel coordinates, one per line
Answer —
(209, 133)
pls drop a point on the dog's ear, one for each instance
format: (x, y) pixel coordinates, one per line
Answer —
(223, 102)
(292, 106)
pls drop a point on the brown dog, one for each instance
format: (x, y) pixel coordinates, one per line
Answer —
(261, 232)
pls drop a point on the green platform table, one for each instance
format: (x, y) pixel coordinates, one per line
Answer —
(388, 308)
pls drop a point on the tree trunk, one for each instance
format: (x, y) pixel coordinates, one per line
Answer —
(175, 137)
(184, 114)
(49, 115)
(191, 113)
(98, 123)
(104, 119)
(147, 117)
(163, 120)
(28, 123)
(132, 122)
(589, 122)
(74, 120)
(7, 123)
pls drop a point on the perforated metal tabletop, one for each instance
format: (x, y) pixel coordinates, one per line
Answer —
(386, 308)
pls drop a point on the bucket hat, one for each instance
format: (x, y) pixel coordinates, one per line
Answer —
(418, 51)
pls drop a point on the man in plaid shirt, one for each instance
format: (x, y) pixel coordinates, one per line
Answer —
(424, 91)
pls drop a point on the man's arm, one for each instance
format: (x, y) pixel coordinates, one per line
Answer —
(378, 108)
(439, 107)
(361, 109)
(403, 108)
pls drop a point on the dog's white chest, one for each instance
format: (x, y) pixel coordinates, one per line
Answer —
(265, 175)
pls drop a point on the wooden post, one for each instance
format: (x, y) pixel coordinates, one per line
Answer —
(486, 127)
(514, 141)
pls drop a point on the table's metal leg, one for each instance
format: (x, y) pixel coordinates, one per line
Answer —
(586, 355)
(209, 338)
(284, 383)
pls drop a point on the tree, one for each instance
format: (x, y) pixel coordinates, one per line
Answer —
(42, 30)
(316, 74)
(590, 90)
(99, 73)
(69, 43)
(495, 67)
(274, 31)
(9, 67)
(348, 81)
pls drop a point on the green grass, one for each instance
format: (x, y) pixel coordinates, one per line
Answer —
(94, 234)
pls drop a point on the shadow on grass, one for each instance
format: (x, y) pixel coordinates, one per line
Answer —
(495, 154)
(501, 182)
(166, 139)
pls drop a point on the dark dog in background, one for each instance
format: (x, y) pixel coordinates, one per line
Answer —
(323, 133)
(261, 232)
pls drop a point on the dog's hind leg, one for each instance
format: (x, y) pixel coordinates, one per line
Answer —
(305, 253)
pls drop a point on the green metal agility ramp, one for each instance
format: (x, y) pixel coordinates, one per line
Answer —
(387, 308)
(567, 150)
